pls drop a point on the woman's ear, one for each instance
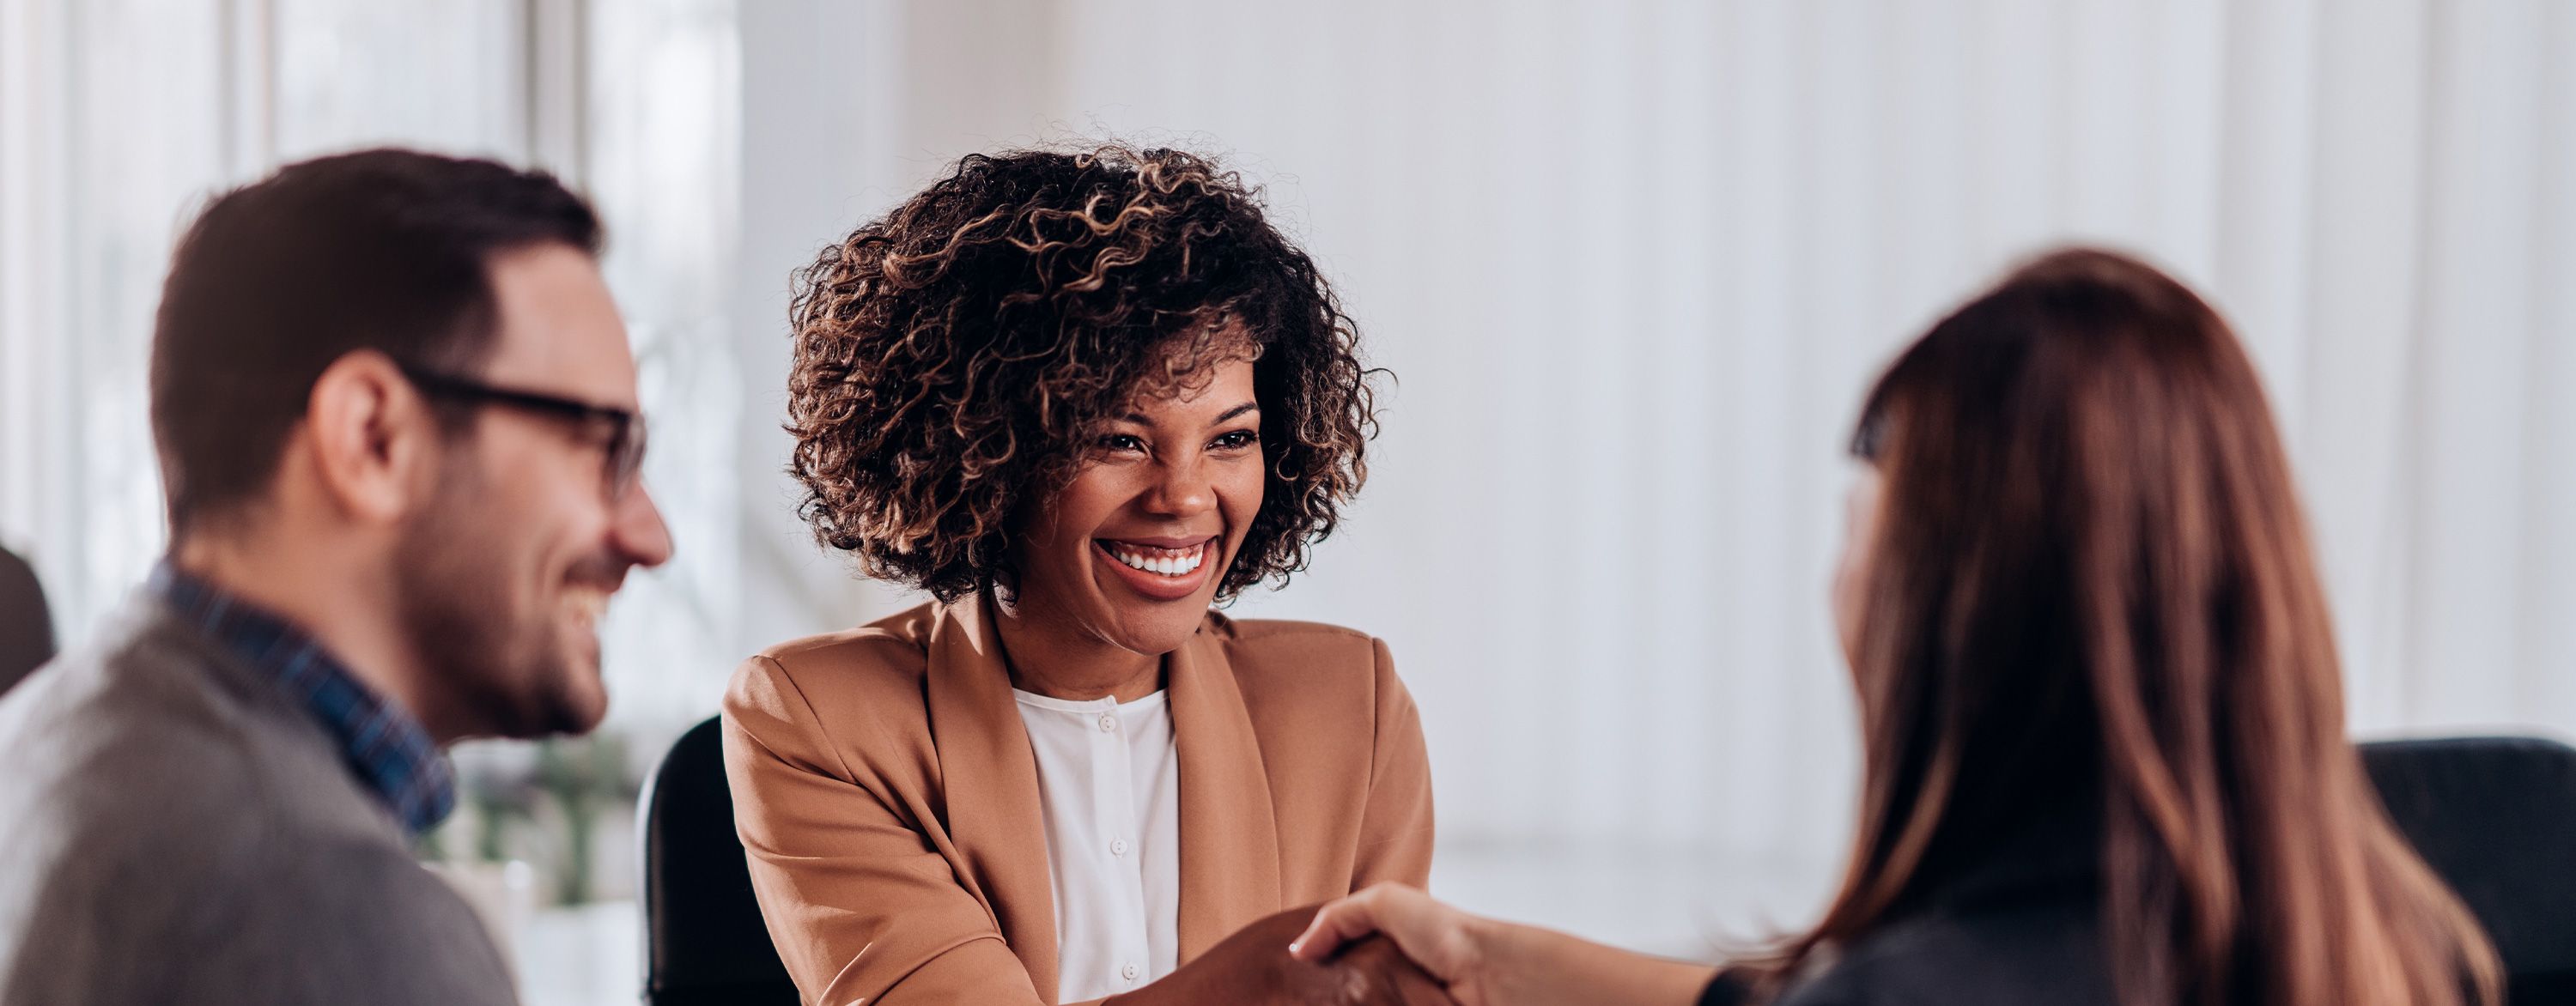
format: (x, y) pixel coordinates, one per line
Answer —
(371, 438)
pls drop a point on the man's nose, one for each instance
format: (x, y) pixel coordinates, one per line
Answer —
(637, 529)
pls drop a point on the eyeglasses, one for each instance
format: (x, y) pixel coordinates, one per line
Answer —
(626, 428)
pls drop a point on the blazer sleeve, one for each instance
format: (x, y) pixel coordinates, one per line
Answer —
(1395, 827)
(861, 905)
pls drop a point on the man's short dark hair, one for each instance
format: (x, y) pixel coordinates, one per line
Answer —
(379, 249)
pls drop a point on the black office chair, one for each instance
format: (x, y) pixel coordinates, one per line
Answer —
(704, 942)
(26, 626)
(2496, 817)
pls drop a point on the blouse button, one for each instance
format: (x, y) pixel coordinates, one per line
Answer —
(1108, 723)
(1117, 847)
(1128, 972)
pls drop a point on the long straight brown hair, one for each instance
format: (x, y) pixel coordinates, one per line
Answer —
(2091, 594)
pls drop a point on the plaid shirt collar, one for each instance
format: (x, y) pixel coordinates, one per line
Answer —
(384, 746)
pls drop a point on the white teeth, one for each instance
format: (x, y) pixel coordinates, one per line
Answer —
(1161, 564)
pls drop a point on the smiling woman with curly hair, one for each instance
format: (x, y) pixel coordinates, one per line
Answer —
(1078, 398)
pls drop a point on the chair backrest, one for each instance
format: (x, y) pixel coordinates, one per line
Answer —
(26, 627)
(704, 941)
(2496, 817)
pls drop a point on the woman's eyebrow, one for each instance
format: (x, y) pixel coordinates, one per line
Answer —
(1139, 419)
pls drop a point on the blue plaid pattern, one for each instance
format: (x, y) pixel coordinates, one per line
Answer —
(388, 750)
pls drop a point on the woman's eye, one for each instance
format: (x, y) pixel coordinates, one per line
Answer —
(1122, 442)
(1236, 440)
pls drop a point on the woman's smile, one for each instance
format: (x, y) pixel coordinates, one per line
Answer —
(1161, 569)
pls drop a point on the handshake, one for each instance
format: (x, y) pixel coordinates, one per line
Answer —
(1391, 945)
(1271, 962)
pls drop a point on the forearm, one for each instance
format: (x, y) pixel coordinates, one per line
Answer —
(1185, 987)
(1529, 966)
(981, 971)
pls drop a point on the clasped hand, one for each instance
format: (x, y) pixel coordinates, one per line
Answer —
(1254, 967)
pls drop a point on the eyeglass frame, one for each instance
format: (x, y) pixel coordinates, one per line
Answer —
(623, 469)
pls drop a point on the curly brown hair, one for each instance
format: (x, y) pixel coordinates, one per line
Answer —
(955, 359)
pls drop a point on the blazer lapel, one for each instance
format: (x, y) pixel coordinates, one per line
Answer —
(990, 777)
(1229, 836)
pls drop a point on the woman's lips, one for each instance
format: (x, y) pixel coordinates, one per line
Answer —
(1163, 569)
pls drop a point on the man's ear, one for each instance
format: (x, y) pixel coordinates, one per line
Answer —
(373, 438)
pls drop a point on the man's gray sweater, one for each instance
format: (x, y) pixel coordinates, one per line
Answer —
(175, 829)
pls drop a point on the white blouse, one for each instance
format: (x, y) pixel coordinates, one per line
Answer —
(1109, 783)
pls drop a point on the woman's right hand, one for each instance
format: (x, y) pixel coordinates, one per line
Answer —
(1444, 941)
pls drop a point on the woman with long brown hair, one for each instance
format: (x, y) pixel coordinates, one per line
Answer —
(2105, 758)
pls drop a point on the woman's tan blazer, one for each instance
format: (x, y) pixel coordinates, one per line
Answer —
(888, 798)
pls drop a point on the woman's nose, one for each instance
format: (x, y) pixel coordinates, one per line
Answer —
(1182, 489)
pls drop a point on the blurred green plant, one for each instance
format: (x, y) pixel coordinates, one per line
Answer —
(541, 802)
(580, 776)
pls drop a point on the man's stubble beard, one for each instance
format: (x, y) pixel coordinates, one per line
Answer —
(502, 672)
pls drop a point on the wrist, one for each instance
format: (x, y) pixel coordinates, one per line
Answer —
(1153, 994)
(1491, 954)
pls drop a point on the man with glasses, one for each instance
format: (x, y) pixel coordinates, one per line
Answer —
(396, 420)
